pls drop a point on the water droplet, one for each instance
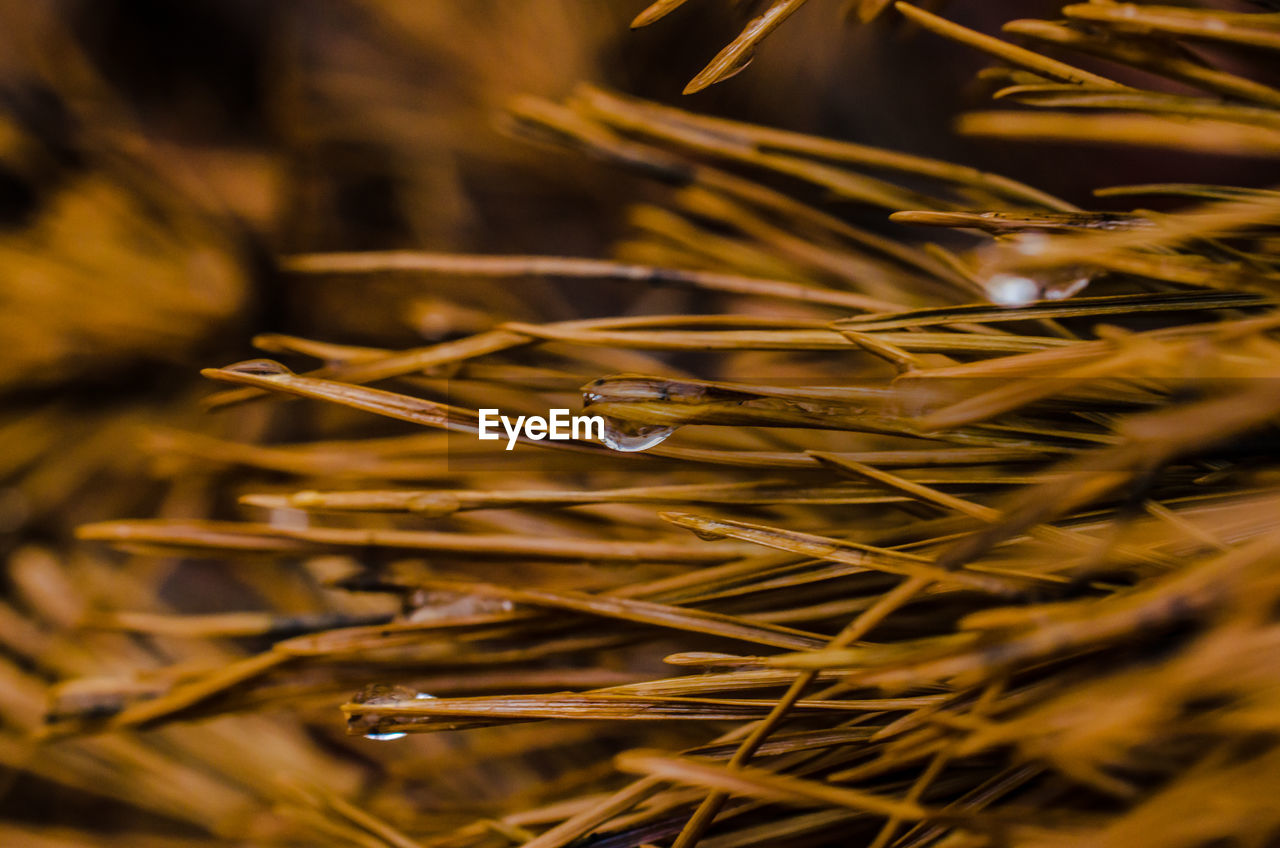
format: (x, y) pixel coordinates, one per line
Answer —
(1012, 290)
(1016, 290)
(395, 734)
(1008, 283)
(259, 368)
(630, 437)
(374, 695)
(737, 66)
(708, 535)
(1066, 288)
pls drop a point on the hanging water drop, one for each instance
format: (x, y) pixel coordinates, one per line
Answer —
(379, 694)
(1066, 288)
(629, 437)
(259, 368)
(393, 735)
(1008, 283)
(1012, 290)
(1015, 290)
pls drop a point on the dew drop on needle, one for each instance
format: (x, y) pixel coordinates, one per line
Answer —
(631, 436)
(1005, 285)
(381, 694)
(259, 368)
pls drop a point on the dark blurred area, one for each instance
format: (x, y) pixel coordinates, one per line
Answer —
(300, 126)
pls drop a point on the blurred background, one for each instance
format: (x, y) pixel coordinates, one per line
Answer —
(202, 138)
(155, 157)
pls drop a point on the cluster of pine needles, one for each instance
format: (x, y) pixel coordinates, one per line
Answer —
(966, 542)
